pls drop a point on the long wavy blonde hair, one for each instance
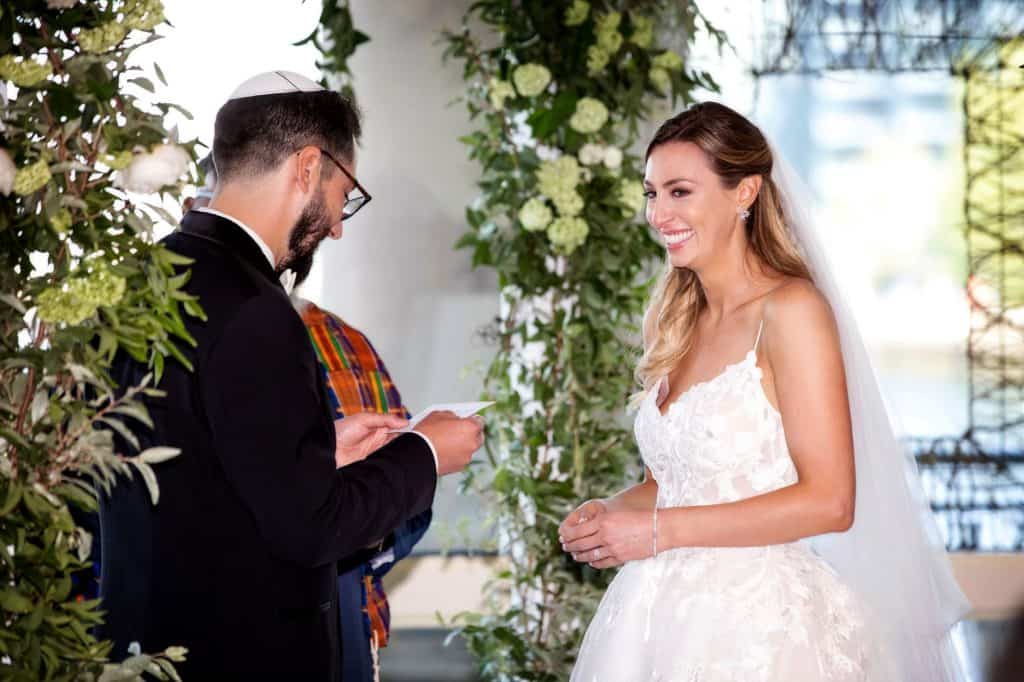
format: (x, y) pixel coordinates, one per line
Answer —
(736, 149)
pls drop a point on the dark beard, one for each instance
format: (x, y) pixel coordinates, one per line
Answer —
(310, 229)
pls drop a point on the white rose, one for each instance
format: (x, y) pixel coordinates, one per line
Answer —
(149, 172)
(7, 171)
(533, 353)
(591, 154)
(613, 157)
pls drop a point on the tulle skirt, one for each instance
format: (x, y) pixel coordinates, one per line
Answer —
(777, 614)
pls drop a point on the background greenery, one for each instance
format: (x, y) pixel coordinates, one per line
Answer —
(81, 278)
(558, 91)
(336, 38)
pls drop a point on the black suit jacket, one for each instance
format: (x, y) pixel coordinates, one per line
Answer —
(237, 561)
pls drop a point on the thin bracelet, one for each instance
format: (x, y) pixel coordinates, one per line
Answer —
(654, 536)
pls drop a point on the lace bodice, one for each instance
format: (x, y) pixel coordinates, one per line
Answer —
(720, 441)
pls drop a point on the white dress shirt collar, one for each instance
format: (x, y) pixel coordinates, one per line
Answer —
(245, 228)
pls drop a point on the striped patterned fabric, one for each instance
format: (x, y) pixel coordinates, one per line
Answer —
(356, 377)
(357, 381)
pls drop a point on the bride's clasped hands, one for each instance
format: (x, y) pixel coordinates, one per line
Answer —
(604, 536)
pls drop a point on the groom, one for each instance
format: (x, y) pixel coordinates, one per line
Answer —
(237, 561)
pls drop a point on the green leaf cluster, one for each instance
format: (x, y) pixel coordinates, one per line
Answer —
(567, 331)
(336, 38)
(81, 279)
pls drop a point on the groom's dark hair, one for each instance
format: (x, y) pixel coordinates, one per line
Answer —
(253, 135)
(301, 267)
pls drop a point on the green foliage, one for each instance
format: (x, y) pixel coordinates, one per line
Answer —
(80, 279)
(337, 39)
(558, 96)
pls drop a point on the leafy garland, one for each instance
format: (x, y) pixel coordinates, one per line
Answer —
(81, 279)
(336, 38)
(558, 100)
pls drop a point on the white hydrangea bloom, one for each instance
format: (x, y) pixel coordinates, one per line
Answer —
(591, 154)
(643, 31)
(534, 215)
(597, 59)
(577, 13)
(589, 117)
(612, 158)
(607, 23)
(610, 42)
(568, 234)
(531, 79)
(568, 202)
(500, 91)
(661, 80)
(558, 175)
(631, 194)
(668, 60)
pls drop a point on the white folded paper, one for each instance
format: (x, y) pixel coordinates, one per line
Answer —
(460, 409)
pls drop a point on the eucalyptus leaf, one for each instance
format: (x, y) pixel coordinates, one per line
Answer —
(11, 498)
(118, 426)
(71, 201)
(14, 601)
(159, 454)
(149, 477)
(143, 83)
(13, 301)
(135, 410)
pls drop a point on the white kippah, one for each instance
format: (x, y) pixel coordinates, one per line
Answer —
(275, 83)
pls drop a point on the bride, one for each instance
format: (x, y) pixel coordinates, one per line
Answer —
(779, 533)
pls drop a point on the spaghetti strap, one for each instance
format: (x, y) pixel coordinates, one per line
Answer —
(760, 329)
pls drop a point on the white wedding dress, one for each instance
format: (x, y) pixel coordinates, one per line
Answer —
(777, 613)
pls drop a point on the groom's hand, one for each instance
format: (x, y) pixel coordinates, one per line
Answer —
(358, 435)
(455, 439)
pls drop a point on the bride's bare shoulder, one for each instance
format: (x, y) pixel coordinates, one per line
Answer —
(796, 305)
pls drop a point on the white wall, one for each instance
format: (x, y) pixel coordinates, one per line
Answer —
(394, 274)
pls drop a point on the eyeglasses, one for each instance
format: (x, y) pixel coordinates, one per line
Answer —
(352, 203)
